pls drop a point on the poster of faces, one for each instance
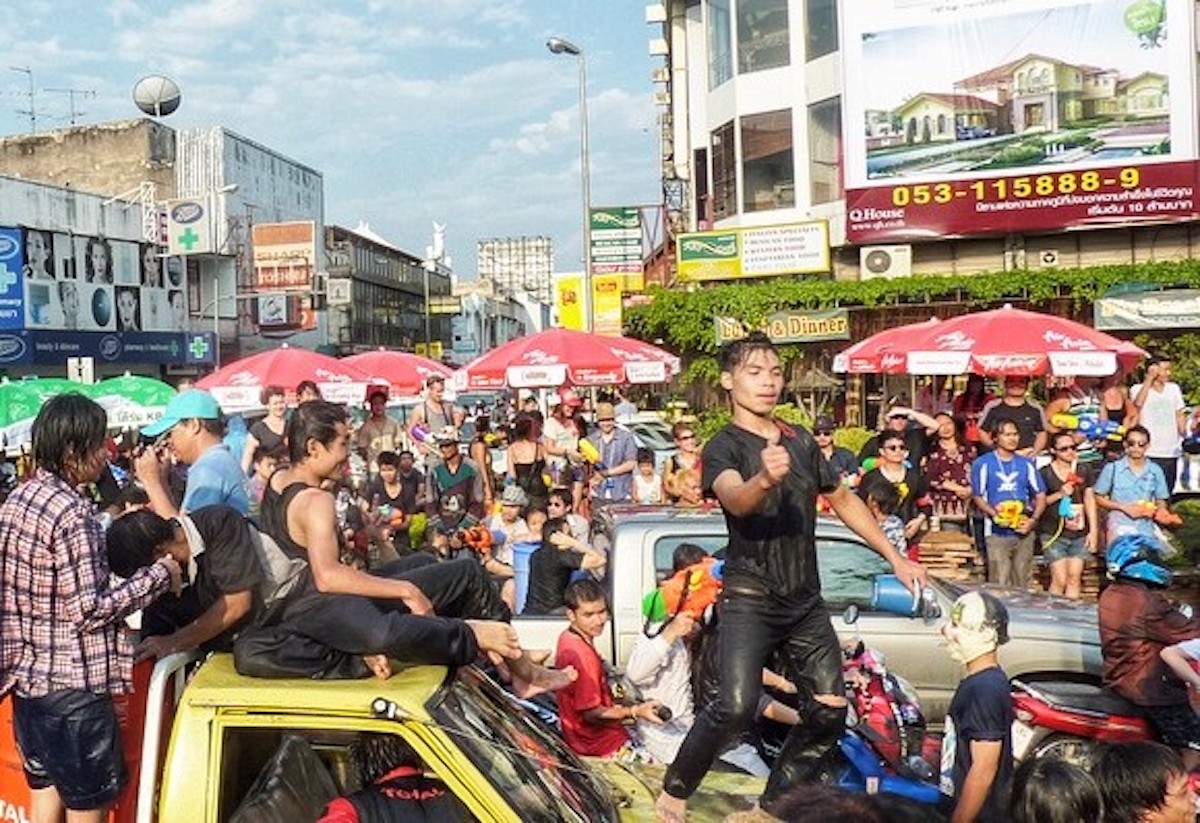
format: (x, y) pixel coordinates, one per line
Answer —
(97, 284)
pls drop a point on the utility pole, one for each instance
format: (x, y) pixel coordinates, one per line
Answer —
(30, 112)
(72, 94)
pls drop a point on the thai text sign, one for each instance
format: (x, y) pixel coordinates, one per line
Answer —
(1015, 127)
(798, 248)
(791, 326)
(284, 255)
(1174, 309)
(616, 240)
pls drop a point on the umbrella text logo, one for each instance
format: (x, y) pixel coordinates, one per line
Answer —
(1068, 343)
(954, 341)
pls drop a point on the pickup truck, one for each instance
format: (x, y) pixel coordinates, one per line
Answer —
(248, 750)
(1051, 638)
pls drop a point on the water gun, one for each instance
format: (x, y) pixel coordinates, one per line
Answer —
(420, 433)
(1089, 425)
(691, 590)
(1010, 514)
(391, 515)
(480, 539)
(1163, 517)
(591, 454)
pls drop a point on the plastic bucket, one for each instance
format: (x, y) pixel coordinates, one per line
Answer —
(521, 554)
(890, 595)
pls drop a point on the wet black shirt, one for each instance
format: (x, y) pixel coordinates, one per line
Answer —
(773, 549)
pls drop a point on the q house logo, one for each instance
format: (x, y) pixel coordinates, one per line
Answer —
(723, 246)
(187, 212)
(12, 348)
(110, 347)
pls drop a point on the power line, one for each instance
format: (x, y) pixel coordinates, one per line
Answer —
(31, 95)
(72, 95)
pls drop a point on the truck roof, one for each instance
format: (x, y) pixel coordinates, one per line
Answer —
(217, 684)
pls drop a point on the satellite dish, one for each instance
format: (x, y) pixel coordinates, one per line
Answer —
(156, 95)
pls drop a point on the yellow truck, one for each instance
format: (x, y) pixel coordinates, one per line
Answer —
(248, 749)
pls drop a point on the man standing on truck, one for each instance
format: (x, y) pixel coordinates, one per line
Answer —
(767, 476)
(62, 652)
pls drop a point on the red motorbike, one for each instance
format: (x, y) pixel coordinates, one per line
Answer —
(1071, 720)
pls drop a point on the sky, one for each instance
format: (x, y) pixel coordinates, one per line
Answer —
(414, 111)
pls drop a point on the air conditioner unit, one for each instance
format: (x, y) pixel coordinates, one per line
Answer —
(339, 291)
(884, 261)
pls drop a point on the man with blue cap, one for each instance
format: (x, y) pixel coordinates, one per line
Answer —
(191, 429)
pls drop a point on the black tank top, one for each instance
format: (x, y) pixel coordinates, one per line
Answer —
(273, 515)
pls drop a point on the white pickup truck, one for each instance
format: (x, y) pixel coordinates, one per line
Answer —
(1051, 638)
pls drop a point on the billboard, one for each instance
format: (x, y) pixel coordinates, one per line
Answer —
(285, 255)
(1035, 115)
(616, 244)
(606, 304)
(1145, 311)
(765, 251)
(189, 226)
(568, 301)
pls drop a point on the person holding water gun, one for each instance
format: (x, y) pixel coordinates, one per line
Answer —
(1008, 491)
(1070, 527)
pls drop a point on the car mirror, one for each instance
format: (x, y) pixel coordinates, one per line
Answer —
(850, 616)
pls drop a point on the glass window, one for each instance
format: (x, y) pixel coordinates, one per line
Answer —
(825, 150)
(848, 572)
(720, 43)
(820, 28)
(664, 550)
(762, 35)
(768, 176)
(724, 172)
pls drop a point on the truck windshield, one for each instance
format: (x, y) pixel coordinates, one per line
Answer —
(529, 766)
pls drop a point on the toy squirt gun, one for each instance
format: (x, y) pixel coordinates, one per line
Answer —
(690, 590)
(1089, 425)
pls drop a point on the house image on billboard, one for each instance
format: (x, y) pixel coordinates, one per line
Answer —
(933, 117)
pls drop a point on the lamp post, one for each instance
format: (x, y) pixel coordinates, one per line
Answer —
(558, 45)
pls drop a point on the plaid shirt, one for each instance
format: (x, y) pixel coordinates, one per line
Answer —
(60, 621)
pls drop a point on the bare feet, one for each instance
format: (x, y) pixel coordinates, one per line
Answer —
(539, 656)
(668, 809)
(531, 679)
(379, 665)
(496, 639)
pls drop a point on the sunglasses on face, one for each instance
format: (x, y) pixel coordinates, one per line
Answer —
(1067, 449)
(823, 433)
(895, 448)
(1137, 444)
(683, 438)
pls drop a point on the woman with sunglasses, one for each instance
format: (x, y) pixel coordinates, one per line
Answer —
(1070, 529)
(687, 458)
(894, 468)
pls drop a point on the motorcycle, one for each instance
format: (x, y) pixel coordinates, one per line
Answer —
(1072, 720)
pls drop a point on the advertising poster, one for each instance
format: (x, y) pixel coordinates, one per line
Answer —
(12, 279)
(765, 251)
(616, 242)
(1016, 115)
(568, 301)
(606, 294)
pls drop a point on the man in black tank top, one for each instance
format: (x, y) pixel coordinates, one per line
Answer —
(436, 613)
(435, 414)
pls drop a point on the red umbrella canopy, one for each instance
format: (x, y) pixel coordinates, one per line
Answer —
(237, 386)
(558, 357)
(1004, 341)
(882, 353)
(406, 373)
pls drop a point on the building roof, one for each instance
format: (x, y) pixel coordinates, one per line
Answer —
(959, 102)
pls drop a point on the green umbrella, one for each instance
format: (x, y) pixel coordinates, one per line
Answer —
(20, 401)
(131, 400)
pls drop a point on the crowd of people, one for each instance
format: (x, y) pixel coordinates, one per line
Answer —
(315, 546)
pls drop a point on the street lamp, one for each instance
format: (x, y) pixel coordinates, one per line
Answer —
(557, 45)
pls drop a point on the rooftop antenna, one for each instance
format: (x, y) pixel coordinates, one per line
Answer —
(30, 112)
(72, 96)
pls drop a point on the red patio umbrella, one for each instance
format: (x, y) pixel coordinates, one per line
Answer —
(236, 386)
(1004, 341)
(404, 372)
(558, 357)
(882, 353)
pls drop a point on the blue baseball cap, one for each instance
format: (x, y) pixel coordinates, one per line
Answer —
(193, 404)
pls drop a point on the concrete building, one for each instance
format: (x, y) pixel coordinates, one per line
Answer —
(515, 265)
(488, 319)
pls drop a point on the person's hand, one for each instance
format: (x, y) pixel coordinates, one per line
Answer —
(147, 467)
(1091, 542)
(417, 602)
(911, 574)
(648, 711)
(680, 626)
(776, 462)
(562, 540)
(1067, 489)
(912, 527)
(156, 647)
(1024, 526)
(495, 639)
(176, 573)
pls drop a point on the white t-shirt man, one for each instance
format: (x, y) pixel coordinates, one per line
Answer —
(1159, 414)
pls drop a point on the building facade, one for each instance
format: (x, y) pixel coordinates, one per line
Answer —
(516, 265)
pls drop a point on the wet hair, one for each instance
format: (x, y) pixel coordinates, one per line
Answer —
(1133, 778)
(686, 554)
(374, 754)
(405, 453)
(645, 455)
(315, 420)
(1002, 421)
(1050, 790)
(133, 539)
(307, 386)
(815, 803)
(679, 427)
(553, 526)
(268, 392)
(262, 453)
(131, 495)
(581, 591)
(737, 352)
(388, 459)
(69, 427)
(886, 497)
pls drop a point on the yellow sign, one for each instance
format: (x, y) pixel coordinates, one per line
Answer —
(435, 350)
(762, 251)
(568, 301)
(795, 326)
(606, 302)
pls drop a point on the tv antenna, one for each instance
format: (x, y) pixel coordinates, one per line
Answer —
(72, 96)
(30, 112)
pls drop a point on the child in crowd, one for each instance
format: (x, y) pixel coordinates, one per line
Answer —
(647, 484)
(883, 501)
(263, 463)
(687, 481)
(508, 520)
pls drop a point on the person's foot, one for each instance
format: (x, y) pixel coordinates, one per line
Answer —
(668, 809)
(379, 665)
(538, 656)
(497, 640)
(755, 815)
(542, 679)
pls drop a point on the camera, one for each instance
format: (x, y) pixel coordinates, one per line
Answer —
(664, 713)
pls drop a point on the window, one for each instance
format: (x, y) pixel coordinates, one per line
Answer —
(825, 150)
(724, 173)
(848, 572)
(720, 44)
(664, 550)
(768, 176)
(762, 35)
(820, 28)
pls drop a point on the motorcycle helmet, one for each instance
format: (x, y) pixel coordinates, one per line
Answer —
(1137, 557)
